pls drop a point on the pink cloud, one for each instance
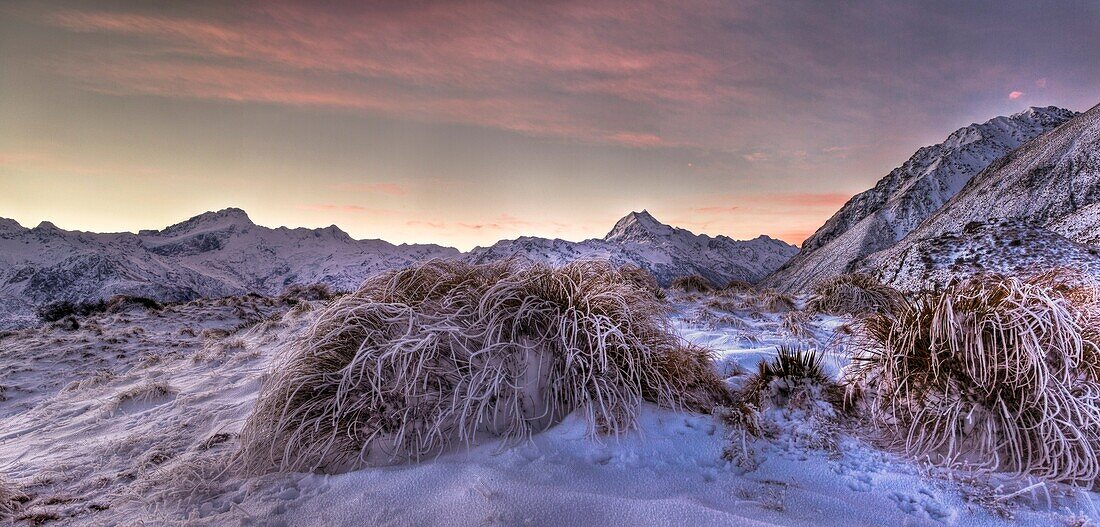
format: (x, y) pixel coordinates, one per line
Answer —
(716, 210)
(391, 189)
(504, 222)
(809, 199)
(1012, 96)
(421, 61)
(631, 139)
(794, 236)
(756, 157)
(347, 209)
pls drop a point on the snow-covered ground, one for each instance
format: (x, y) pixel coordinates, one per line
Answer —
(131, 419)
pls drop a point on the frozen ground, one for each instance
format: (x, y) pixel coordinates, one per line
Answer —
(131, 419)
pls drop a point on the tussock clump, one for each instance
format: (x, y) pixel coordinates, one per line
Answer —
(643, 279)
(11, 499)
(692, 284)
(446, 352)
(312, 292)
(739, 286)
(123, 303)
(796, 398)
(775, 302)
(798, 324)
(854, 294)
(993, 374)
(765, 300)
(215, 333)
(147, 392)
(56, 311)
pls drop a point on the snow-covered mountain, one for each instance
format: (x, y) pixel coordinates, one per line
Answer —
(878, 218)
(222, 253)
(1051, 184)
(211, 255)
(667, 252)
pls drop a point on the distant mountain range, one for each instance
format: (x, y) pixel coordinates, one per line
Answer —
(223, 253)
(1014, 194)
(666, 252)
(881, 217)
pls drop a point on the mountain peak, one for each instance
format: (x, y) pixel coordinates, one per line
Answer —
(638, 226)
(232, 213)
(214, 220)
(10, 225)
(1044, 114)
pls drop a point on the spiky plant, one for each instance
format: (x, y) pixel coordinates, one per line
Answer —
(995, 373)
(795, 374)
(448, 352)
(692, 284)
(853, 294)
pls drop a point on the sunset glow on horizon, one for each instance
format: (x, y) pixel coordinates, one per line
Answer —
(461, 123)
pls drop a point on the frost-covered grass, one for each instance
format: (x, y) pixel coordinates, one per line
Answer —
(447, 352)
(692, 284)
(854, 294)
(170, 460)
(995, 373)
(10, 499)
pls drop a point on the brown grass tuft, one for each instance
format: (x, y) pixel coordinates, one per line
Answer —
(11, 499)
(444, 352)
(854, 294)
(692, 284)
(995, 373)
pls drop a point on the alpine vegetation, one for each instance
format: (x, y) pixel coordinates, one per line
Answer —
(852, 294)
(10, 499)
(444, 352)
(692, 284)
(794, 378)
(994, 373)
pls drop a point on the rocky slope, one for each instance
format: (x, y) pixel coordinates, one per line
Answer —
(1011, 247)
(1051, 184)
(667, 252)
(878, 218)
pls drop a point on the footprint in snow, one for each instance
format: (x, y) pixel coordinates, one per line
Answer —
(923, 505)
(859, 482)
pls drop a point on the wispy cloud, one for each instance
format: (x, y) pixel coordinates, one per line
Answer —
(533, 69)
(391, 189)
(823, 199)
(1013, 95)
(347, 209)
(716, 210)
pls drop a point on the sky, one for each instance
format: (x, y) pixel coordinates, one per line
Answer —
(461, 123)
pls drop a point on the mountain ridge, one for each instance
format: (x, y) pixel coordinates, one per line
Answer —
(665, 251)
(1051, 185)
(899, 202)
(219, 253)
